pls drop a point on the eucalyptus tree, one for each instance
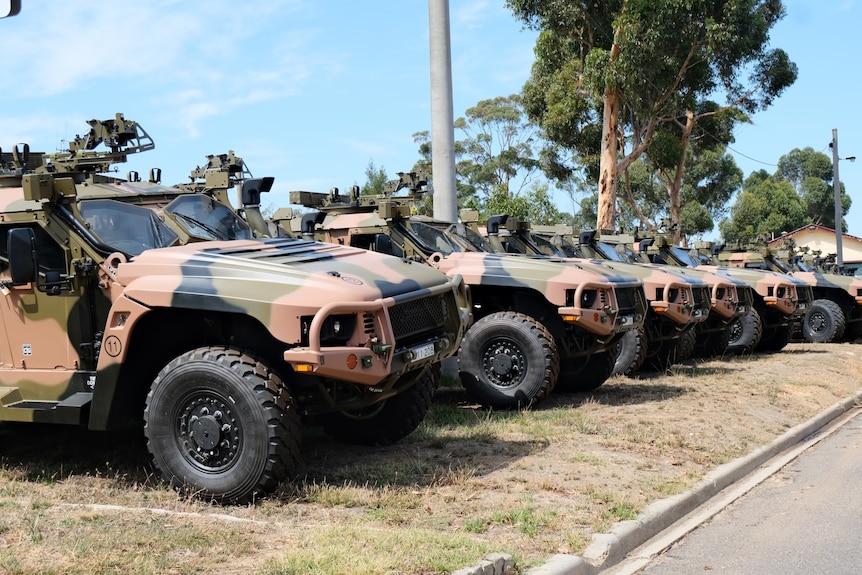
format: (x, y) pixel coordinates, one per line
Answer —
(610, 74)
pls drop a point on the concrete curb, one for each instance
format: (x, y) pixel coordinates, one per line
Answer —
(608, 549)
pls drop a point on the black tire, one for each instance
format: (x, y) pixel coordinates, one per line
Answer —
(662, 355)
(390, 420)
(685, 346)
(221, 424)
(591, 373)
(823, 322)
(745, 333)
(631, 352)
(714, 344)
(777, 338)
(508, 360)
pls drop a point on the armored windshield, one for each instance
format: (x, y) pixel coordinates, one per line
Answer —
(430, 238)
(611, 253)
(547, 247)
(684, 257)
(206, 218)
(470, 236)
(126, 227)
(779, 265)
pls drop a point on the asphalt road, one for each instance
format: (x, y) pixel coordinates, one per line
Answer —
(804, 519)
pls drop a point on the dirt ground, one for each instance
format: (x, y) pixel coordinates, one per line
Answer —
(469, 481)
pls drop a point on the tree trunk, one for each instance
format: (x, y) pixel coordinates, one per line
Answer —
(676, 186)
(610, 145)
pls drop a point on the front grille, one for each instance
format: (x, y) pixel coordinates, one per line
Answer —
(804, 294)
(702, 298)
(630, 300)
(744, 294)
(418, 318)
(367, 323)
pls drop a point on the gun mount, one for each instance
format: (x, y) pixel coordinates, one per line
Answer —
(122, 137)
(387, 205)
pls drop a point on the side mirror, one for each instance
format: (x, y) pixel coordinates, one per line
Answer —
(21, 243)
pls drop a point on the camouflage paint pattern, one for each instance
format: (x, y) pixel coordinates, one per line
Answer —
(68, 336)
(563, 286)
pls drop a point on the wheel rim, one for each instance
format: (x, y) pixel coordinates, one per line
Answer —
(817, 322)
(504, 363)
(735, 332)
(208, 432)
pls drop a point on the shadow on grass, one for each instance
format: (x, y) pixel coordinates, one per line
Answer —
(48, 453)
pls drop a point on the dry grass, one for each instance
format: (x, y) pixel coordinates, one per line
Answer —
(467, 483)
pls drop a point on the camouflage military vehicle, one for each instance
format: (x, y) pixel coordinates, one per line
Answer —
(778, 298)
(215, 348)
(676, 302)
(835, 313)
(731, 299)
(538, 323)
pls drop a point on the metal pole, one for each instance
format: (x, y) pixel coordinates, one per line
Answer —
(836, 187)
(442, 116)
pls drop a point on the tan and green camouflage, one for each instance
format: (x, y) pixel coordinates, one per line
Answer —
(835, 313)
(106, 281)
(678, 303)
(778, 299)
(586, 308)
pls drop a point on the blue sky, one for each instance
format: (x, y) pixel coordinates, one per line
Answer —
(310, 91)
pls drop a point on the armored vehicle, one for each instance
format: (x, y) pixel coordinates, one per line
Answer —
(537, 323)
(778, 298)
(217, 348)
(730, 298)
(835, 313)
(676, 302)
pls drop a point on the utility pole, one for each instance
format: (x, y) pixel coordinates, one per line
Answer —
(442, 116)
(836, 187)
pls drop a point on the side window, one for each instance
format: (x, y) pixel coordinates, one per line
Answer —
(52, 257)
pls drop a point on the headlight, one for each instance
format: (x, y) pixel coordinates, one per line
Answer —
(336, 329)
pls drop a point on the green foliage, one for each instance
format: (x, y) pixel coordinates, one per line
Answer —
(375, 179)
(495, 162)
(657, 61)
(769, 207)
(811, 174)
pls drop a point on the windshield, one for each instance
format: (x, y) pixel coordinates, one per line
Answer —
(611, 253)
(547, 247)
(684, 257)
(205, 218)
(432, 239)
(470, 236)
(127, 228)
(781, 267)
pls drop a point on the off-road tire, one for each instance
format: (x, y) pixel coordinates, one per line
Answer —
(220, 424)
(713, 344)
(777, 339)
(594, 370)
(388, 421)
(823, 322)
(745, 333)
(686, 345)
(508, 360)
(663, 355)
(631, 352)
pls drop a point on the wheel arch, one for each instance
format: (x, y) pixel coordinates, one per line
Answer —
(160, 336)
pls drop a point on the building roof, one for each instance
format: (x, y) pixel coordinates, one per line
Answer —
(812, 228)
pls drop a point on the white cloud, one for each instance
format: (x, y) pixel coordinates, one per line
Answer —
(471, 15)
